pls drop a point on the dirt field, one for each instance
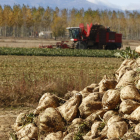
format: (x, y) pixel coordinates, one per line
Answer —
(7, 120)
(132, 43)
(26, 43)
(34, 43)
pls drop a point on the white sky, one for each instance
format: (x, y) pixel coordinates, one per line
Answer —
(121, 4)
(124, 2)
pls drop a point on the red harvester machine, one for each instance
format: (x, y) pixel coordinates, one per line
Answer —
(96, 37)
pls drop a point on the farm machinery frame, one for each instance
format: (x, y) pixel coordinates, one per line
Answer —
(96, 37)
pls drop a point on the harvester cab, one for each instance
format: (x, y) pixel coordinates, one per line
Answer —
(74, 33)
(78, 36)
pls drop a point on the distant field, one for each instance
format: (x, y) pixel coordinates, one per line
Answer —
(35, 42)
(23, 79)
(25, 43)
(57, 52)
(132, 43)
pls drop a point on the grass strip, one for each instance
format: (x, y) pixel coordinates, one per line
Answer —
(56, 52)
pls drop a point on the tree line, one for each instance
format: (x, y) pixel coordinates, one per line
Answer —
(23, 21)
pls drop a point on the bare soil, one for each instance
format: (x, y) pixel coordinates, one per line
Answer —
(130, 43)
(8, 118)
(35, 42)
(25, 43)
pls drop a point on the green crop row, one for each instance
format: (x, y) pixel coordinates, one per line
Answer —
(56, 52)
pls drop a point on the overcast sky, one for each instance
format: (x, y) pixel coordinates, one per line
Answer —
(126, 4)
(122, 4)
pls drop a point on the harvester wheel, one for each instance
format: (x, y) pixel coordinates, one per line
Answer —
(81, 45)
(111, 47)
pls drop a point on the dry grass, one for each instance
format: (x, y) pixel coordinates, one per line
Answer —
(23, 79)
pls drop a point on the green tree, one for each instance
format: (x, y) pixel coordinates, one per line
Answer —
(24, 29)
(79, 17)
(7, 18)
(58, 27)
(1, 16)
(27, 20)
(1, 19)
(47, 19)
(17, 19)
(137, 21)
(38, 19)
(114, 21)
(72, 18)
(64, 15)
(56, 12)
(88, 16)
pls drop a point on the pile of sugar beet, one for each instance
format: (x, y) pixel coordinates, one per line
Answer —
(109, 110)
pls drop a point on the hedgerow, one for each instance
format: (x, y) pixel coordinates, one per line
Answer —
(57, 52)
